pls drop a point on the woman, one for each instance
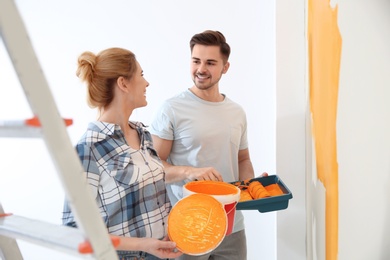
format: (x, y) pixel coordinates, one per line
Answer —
(123, 169)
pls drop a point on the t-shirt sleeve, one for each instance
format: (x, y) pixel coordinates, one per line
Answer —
(163, 123)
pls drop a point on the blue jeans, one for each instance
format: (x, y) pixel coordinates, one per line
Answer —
(136, 255)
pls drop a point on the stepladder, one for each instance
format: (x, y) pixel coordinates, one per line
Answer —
(90, 239)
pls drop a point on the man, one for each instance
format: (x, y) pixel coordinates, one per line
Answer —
(201, 134)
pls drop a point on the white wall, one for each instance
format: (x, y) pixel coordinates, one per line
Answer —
(363, 126)
(158, 32)
(290, 125)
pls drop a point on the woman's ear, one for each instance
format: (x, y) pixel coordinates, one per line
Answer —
(122, 83)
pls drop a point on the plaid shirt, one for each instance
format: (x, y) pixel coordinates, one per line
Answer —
(128, 184)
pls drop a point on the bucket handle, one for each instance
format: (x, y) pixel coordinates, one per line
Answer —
(235, 204)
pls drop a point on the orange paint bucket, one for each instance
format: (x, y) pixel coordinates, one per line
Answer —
(197, 223)
(227, 194)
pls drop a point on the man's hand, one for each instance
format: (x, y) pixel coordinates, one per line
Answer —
(264, 174)
(204, 174)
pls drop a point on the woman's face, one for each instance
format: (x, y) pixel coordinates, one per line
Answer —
(138, 88)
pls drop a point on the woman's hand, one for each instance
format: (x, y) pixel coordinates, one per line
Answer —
(162, 248)
(159, 248)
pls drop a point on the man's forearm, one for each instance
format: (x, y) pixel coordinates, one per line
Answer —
(246, 171)
(175, 173)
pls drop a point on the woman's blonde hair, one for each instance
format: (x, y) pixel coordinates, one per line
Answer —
(100, 72)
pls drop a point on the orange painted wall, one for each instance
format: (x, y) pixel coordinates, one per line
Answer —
(324, 65)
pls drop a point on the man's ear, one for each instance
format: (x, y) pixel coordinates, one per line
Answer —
(122, 84)
(225, 67)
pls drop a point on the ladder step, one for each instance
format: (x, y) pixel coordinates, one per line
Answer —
(28, 128)
(57, 237)
(21, 131)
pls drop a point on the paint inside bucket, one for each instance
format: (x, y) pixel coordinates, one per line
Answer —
(197, 223)
(227, 194)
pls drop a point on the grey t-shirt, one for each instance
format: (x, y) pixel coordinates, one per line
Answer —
(204, 134)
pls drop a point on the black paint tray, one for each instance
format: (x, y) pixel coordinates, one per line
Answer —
(271, 203)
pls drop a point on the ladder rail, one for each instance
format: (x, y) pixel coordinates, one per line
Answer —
(9, 248)
(66, 161)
